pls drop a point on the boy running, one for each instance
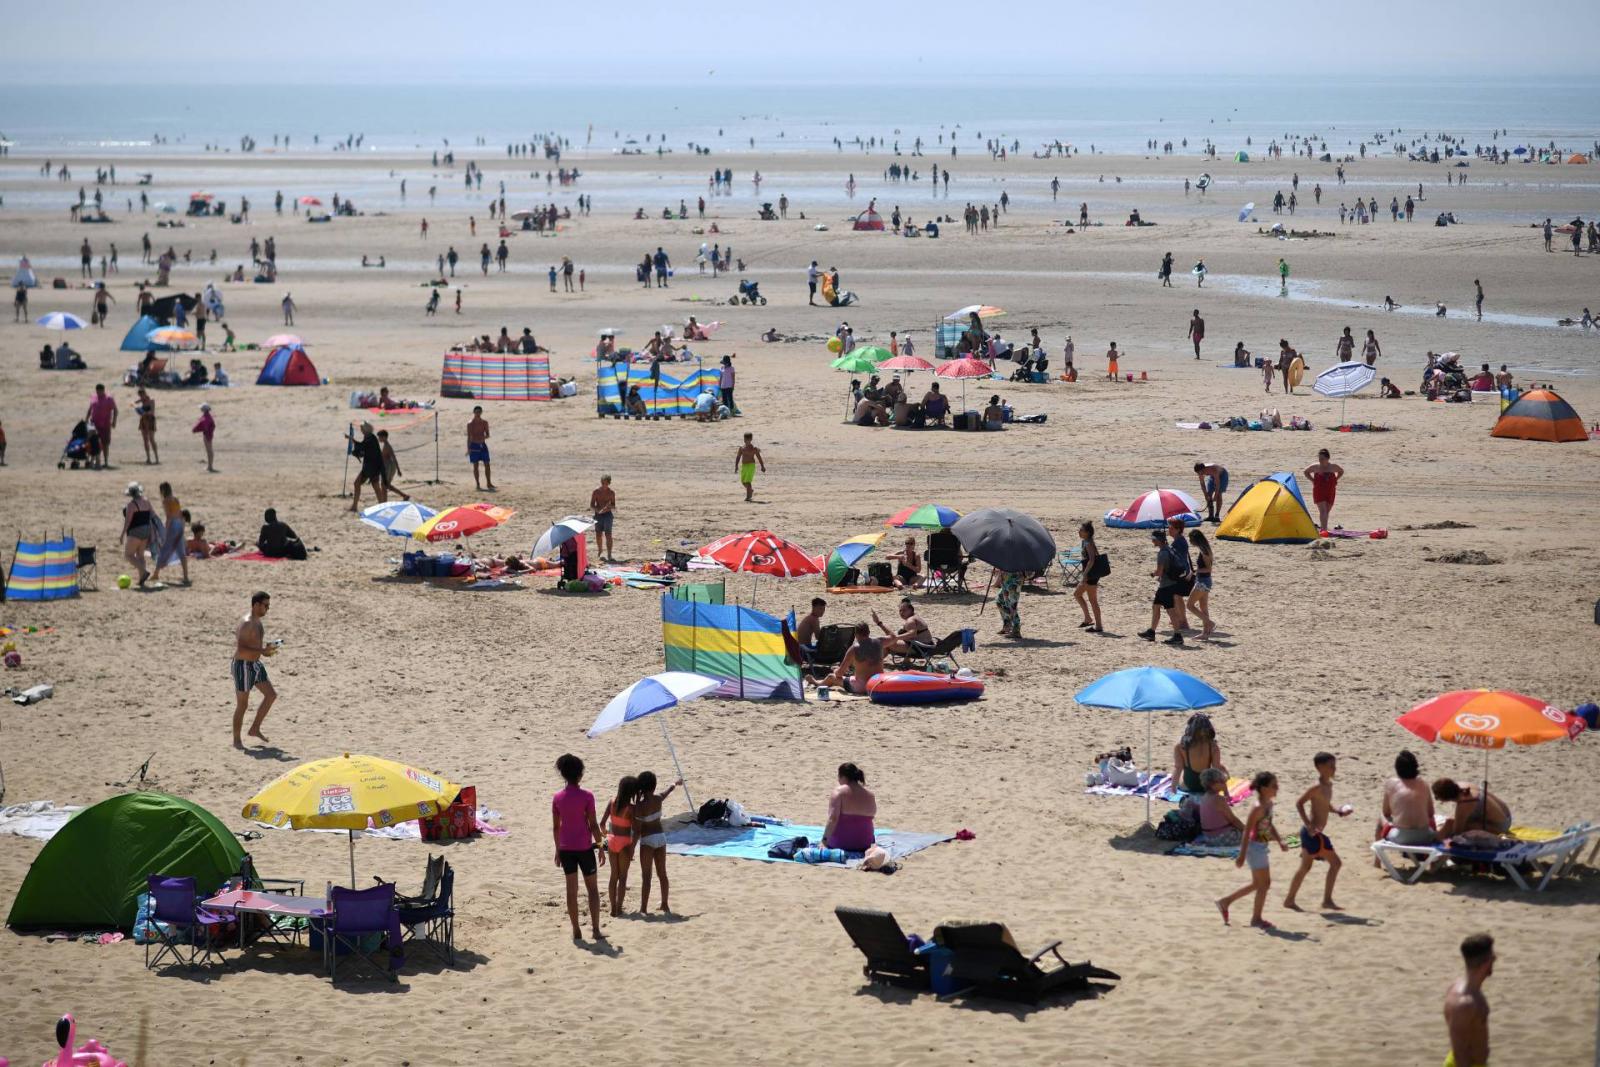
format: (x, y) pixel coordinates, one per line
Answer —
(1314, 806)
(745, 461)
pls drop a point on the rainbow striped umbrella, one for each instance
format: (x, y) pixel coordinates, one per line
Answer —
(849, 554)
(923, 517)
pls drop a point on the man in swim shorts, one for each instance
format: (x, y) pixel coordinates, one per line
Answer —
(603, 503)
(478, 449)
(861, 662)
(1466, 1010)
(248, 670)
(745, 461)
(1213, 483)
(1407, 805)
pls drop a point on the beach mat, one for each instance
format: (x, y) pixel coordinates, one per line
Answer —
(255, 557)
(1194, 848)
(1155, 786)
(1238, 791)
(752, 842)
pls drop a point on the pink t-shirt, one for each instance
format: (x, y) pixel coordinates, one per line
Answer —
(100, 409)
(575, 806)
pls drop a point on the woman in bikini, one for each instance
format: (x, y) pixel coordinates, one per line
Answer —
(170, 548)
(618, 824)
(1324, 476)
(908, 571)
(1200, 595)
(145, 408)
(1196, 751)
(138, 528)
(652, 841)
(1095, 567)
(1370, 351)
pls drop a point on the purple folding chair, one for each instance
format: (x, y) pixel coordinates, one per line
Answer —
(358, 914)
(177, 922)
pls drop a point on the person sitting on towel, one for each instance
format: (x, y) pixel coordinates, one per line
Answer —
(994, 416)
(870, 413)
(913, 631)
(1483, 381)
(1476, 809)
(277, 540)
(636, 404)
(1218, 824)
(851, 809)
(861, 662)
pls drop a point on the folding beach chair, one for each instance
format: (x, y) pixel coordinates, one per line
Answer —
(924, 655)
(87, 570)
(833, 641)
(178, 925)
(1069, 564)
(431, 922)
(946, 564)
(889, 955)
(360, 914)
(984, 957)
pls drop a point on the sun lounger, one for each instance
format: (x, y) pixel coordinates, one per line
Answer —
(1543, 860)
(984, 957)
(889, 955)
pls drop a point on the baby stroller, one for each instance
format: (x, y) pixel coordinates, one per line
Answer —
(749, 293)
(767, 214)
(82, 447)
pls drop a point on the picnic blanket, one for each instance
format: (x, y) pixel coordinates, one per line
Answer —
(1238, 791)
(1150, 785)
(752, 842)
(254, 557)
(38, 819)
(1196, 848)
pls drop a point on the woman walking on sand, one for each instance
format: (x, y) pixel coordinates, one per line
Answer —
(170, 546)
(138, 528)
(1200, 595)
(145, 408)
(1095, 567)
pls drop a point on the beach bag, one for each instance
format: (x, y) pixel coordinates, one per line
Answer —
(1100, 567)
(785, 850)
(712, 813)
(1178, 825)
(458, 821)
(1120, 773)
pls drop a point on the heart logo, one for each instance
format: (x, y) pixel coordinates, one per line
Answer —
(1477, 724)
(1555, 715)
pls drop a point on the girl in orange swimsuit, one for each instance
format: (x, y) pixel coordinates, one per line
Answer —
(618, 821)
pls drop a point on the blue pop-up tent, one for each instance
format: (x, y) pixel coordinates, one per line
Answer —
(137, 339)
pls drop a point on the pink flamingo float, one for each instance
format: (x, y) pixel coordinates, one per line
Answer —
(90, 1054)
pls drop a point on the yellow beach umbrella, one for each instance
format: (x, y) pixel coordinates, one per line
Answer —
(350, 793)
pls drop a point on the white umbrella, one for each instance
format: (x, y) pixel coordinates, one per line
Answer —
(61, 320)
(397, 519)
(1244, 212)
(562, 531)
(523, 214)
(651, 696)
(1342, 380)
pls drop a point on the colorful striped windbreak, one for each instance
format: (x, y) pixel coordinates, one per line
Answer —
(495, 376)
(44, 570)
(742, 646)
(675, 395)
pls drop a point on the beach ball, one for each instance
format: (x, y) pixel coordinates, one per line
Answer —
(835, 345)
(124, 582)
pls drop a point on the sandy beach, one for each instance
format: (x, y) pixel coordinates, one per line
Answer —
(1317, 648)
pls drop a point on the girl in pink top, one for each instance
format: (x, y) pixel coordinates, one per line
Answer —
(577, 836)
(207, 429)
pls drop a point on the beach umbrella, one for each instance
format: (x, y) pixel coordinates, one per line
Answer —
(964, 368)
(279, 340)
(851, 363)
(1149, 689)
(173, 337)
(350, 793)
(1489, 719)
(397, 520)
(560, 532)
(849, 554)
(610, 331)
(1007, 540)
(202, 196)
(462, 521)
(653, 695)
(905, 363)
(525, 213)
(983, 311)
(311, 200)
(1519, 151)
(60, 320)
(1153, 510)
(1343, 380)
(762, 552)
(1244, 212)
(165, 208)
(875, 353)
(924, 517)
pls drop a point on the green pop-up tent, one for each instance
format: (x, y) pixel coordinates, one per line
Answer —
(92, 872)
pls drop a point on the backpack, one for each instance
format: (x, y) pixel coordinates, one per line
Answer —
(1180, 824)
(712, 813)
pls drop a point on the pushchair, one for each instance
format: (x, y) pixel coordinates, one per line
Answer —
(82, 447)
(767, 214)
(749, 293)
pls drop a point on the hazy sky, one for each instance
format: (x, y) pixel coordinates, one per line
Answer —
(405, 41)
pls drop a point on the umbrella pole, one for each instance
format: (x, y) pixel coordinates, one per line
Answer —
(352, 834)
(344, 479)
(662, 718)
(1150, 770)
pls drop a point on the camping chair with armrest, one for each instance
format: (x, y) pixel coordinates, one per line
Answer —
(178, 923)
(880, 939)
(833, 641)
(88, 574)
(283, 929)
(357, 915)
(984, 956)
(924, 654)
(1069, 564)
(946, 564)
(431, 922)
(430, 884)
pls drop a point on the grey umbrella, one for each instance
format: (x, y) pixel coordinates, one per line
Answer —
(1007, 540)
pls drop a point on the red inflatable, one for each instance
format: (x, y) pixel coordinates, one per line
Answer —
(916, 687)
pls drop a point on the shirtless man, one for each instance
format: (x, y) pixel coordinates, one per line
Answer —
(1466, 1010)
(864, 659)
(603, 503)
(248, 670)
(805, 631)
(1213, 483)
(478, 449)
(1475, 809)
(745, 461)
(1407, 806)
(913, 631)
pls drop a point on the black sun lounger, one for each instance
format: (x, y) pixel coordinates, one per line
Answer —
(880, 939)
(983, 957)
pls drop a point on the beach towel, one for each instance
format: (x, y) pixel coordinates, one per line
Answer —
(1375, 535)
(406, 831)
(1238, 791)
(1155, 786)
(254, 557)
(38, 819)
(1195, 848)
(753, 842)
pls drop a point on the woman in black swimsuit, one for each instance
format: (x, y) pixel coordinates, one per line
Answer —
(138, 523)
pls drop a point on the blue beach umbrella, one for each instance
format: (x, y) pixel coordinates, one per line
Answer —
(61, 320)
(653, 695)
(397, 520)
(1149, 689)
